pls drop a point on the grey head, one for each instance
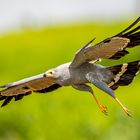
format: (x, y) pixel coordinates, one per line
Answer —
(60, 74)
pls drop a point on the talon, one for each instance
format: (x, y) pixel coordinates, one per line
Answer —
(103, 109)
(127, 112)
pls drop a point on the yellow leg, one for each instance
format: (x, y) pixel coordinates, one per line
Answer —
(101, 107)
(123, 107)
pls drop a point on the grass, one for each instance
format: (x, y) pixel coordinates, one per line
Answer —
(65, 113)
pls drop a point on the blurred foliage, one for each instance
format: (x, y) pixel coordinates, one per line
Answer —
(65, 114)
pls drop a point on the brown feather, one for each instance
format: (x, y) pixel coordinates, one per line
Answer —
(19, 89)
(110, 48)
(100, 50)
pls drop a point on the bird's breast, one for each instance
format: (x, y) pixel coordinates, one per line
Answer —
(73, 76)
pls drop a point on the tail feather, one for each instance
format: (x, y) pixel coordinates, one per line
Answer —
(124, 74)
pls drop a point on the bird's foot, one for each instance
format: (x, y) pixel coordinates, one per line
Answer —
(128, 112)
(103, 109)
(124, 108)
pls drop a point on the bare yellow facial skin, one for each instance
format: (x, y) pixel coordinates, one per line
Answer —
(50, 73)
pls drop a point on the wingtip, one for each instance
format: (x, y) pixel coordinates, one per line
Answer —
(92, 40)
(7, 101)
(129, 27)
(4, 86)
(89, 43)
(139, 18)
(2, 106)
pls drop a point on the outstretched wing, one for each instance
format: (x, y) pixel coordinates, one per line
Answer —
(40, 83)
(111, 48)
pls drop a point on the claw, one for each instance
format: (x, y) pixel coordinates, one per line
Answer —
(127, 112)
(103, 109)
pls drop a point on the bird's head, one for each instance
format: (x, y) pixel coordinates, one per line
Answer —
(59, 72)
(52, 73)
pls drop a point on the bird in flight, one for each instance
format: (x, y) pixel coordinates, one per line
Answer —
(84, 70)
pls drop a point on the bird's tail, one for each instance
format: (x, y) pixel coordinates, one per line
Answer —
(124, 74)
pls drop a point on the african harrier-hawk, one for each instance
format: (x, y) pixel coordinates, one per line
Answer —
(83, 70)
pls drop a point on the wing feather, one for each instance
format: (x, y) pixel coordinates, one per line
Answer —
(124, 74)
(26, 85)
(39, 83)
(110, 48)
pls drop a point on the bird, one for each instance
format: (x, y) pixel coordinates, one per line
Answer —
(83, 71)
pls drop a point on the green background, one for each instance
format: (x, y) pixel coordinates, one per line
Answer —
(65, 114)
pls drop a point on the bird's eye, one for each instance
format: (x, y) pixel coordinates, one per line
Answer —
(50, 72)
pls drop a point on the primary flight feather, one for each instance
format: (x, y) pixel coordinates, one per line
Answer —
(81, 71)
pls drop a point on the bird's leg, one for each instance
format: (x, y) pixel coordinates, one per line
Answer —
(95, 80)
(123, 107)
(101, 107)
(84, 87)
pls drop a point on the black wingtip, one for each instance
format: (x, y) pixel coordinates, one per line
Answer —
(91, 40)
(88, 43)
(129, 27)
(6, 101)
(18, 97)
(124, 77)
(3, 86)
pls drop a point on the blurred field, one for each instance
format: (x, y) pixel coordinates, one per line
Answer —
(65, 114)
